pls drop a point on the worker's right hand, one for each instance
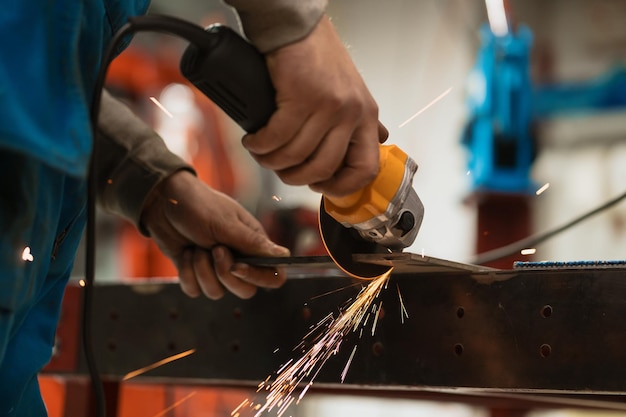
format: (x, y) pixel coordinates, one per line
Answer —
(325, 131)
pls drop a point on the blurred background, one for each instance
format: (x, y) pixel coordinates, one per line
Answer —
(521, 128)
(566, 135)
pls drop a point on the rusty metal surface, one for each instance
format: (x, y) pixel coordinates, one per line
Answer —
(515, 332)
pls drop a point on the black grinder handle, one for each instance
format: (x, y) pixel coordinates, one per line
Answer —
(233, 74)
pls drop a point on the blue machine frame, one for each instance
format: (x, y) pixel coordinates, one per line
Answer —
(499, 101)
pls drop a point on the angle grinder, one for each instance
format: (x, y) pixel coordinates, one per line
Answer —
(383, 217)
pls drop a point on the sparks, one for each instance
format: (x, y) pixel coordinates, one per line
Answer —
(176, 404)
(324, 341)
(26, 255)
(304, 391)
(528, 251)
(236, 410)
(403, 311)
(380, 306)
(345, 369)
(82, 282)
(284, 406)
(285, 365)
(543, 188)
(171, 200)
(356, 284)
(429, 105)
(276, 198)
(157, 364)
(159, 105)
(314, 328)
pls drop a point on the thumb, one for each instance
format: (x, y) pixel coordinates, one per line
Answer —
(383, 133)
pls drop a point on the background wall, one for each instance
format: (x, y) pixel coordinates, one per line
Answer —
(583, 155)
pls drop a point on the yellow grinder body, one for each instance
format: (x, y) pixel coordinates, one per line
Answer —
(387, 211)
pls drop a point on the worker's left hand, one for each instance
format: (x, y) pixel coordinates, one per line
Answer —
(196, 226)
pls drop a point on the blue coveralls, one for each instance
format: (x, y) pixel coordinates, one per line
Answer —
(50, 51)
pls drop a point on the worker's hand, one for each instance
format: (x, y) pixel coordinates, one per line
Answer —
(325, 131)
(196, 226)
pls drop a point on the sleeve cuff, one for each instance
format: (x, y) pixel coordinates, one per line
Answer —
(131, 160)
(270, 25)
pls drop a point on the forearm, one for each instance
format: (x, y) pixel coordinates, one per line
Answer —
(271, 24)
(131, 160)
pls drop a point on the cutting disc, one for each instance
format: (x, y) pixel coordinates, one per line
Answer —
(343, 242)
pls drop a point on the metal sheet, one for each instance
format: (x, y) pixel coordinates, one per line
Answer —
(411, 263)
(403, 263)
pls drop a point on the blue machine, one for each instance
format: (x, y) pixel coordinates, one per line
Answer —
(498, 131)
(503, 105)
(603, 93)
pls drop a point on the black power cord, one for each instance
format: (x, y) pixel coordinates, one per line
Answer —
(510, 249)
(153, 23)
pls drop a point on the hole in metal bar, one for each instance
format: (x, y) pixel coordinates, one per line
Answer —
(546, 311)
(545, 350)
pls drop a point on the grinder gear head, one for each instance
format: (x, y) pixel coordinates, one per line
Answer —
(387, 215)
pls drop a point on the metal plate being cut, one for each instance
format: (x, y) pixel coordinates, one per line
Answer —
(412, 263)
(402, 263)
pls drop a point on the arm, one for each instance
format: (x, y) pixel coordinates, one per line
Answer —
(325, 131)
(131, 161)
(194, 225)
